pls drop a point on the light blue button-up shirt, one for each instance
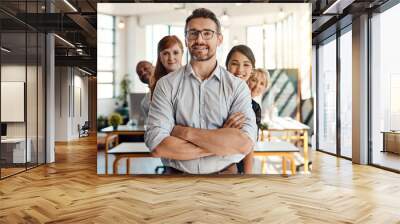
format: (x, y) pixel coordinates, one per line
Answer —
(181, 98)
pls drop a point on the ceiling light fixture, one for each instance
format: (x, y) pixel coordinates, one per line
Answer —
(84, 71)
(5, 50)
(337, 7)
(65, 41)
(281, 14)
(235, 41)
(70, 5)
(121, 24)
(225, 17)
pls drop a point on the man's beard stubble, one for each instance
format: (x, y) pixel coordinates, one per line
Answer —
(194, 57)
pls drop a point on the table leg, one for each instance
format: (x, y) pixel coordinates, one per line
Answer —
(106, 165)
(115, 165)
(283, 165)
(305, 151)
(128, 166)
(263, 166)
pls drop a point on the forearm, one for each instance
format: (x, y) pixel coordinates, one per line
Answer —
(223, 141)
(178, 149)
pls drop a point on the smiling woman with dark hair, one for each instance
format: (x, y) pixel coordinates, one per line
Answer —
(240, 61)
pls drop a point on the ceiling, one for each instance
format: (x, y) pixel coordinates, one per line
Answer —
(176, 13)
(77, 24)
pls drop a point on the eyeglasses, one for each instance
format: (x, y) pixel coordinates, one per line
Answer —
(205, 34)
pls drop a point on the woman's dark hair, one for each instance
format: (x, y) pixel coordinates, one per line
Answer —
(160, 71)
(243, 49)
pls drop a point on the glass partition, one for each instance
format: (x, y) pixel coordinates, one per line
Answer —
(13, 92)
(22, 90)
(327, 96)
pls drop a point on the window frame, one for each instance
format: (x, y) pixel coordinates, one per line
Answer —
(113, 44)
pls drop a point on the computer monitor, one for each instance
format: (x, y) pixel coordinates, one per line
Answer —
(3, 129)
(136, 112)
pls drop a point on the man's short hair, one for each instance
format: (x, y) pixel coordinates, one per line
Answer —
(204, 13)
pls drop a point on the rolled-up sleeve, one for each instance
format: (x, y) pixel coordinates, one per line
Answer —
(160, 120)
(242, 103)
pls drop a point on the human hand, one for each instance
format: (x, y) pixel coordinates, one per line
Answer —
(236, 120)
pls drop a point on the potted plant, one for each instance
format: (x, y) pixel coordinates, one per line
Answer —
(122, 103)
(124, 87)
(114, 120)
(101, 122)
(263, 126)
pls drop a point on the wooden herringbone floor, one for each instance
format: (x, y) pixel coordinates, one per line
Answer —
(70, 191)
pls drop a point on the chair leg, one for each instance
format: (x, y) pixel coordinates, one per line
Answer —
(292, 165)
(115, 165)
(283, 165)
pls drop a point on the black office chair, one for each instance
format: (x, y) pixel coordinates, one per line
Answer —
(84, 130)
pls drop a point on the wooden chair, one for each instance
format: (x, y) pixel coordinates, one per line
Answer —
(111, 141)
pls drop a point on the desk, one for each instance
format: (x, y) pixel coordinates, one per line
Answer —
(126, 133)
(125, 130)
(128, 150)
(284, 149)
(15, 148)
(391, 141)
(139, 149)
(289, 126)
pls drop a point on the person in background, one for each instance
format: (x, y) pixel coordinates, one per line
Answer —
(169, 58)
(240, 61)
(258, 82)
(190, 106)
(144, 70)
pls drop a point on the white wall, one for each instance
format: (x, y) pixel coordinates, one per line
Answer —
(136, 51)
(70, 83)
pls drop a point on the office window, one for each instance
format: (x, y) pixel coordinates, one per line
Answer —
(385, 87)
(154, 33)
(327, 96)
(105, 56)
(254, 38)
(274, 43)
(346, 94)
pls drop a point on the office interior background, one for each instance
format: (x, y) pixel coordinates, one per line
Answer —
(129, 33)
(49, 79)
(59, 71)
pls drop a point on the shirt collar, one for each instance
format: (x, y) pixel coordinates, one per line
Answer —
(216, 73)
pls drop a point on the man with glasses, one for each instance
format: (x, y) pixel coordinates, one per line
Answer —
(190, 106)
